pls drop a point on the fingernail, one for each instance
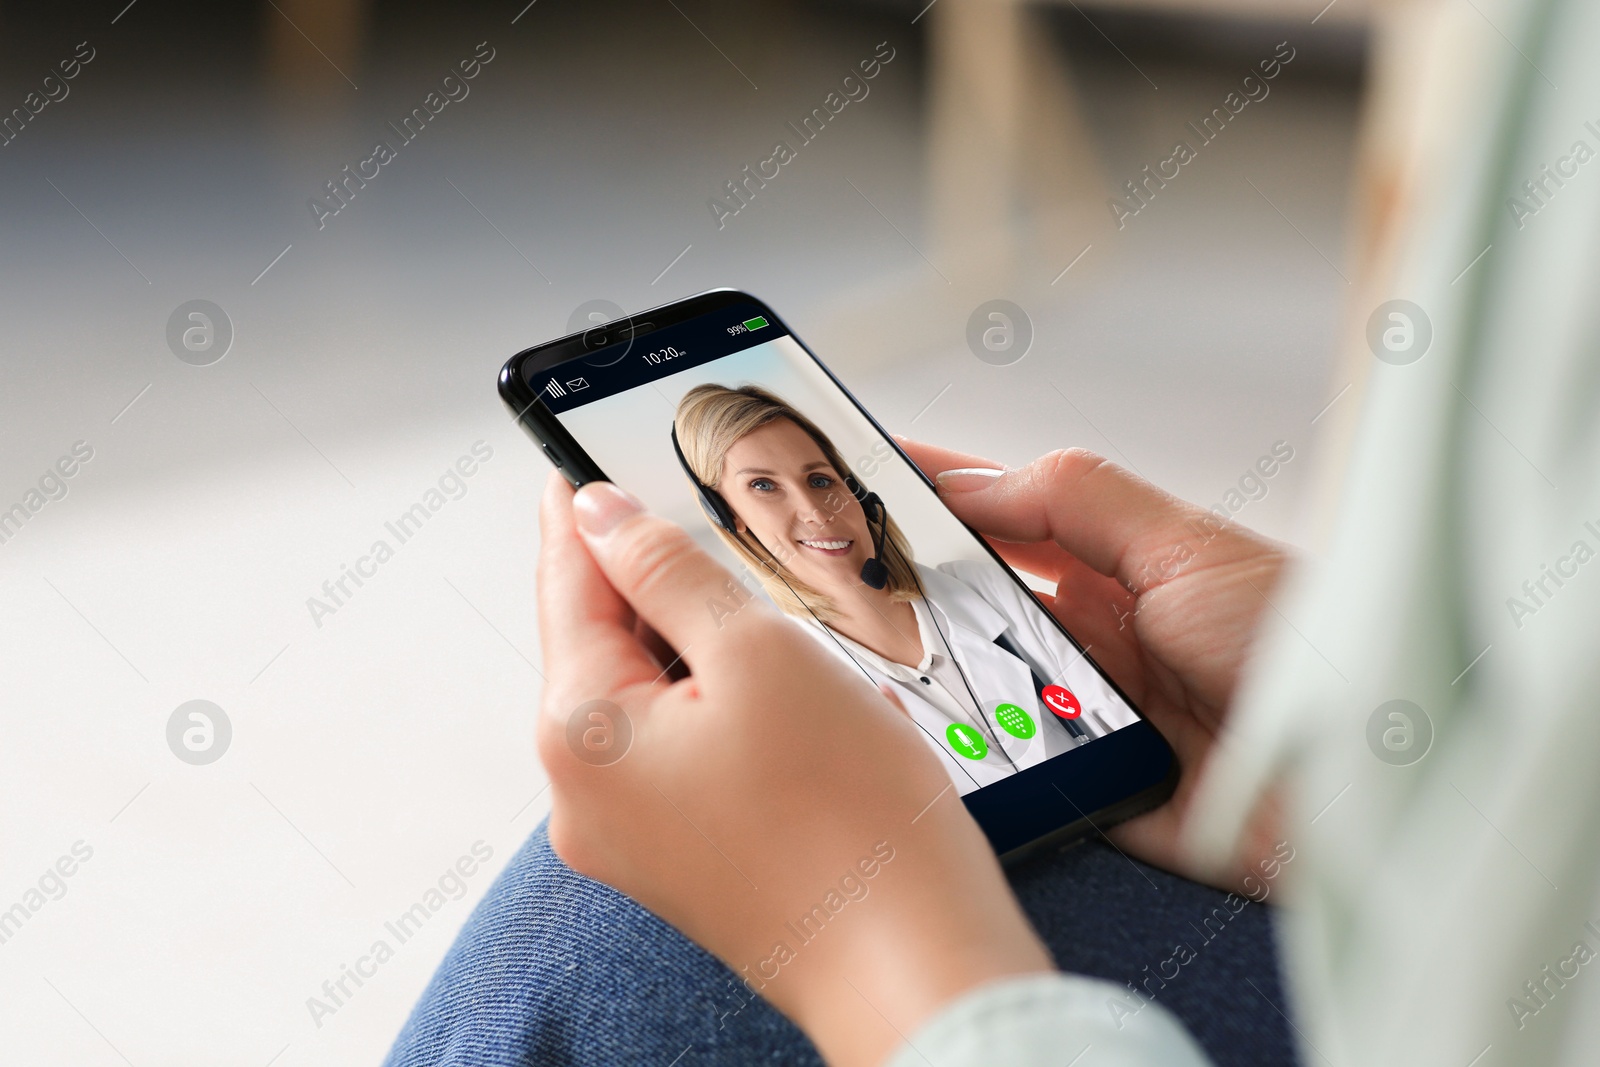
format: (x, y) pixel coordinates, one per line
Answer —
(600, 507)
(967, 479)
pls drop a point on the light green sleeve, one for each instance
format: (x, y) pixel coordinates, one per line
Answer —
(1050, 1019)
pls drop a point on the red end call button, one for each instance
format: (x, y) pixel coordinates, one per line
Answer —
(1060, 700)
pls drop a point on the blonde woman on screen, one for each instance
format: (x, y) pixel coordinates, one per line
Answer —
(965, 649)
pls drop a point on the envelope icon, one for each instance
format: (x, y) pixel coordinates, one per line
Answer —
(578, 384)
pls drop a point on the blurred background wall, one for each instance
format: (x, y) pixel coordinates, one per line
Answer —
(349, 365)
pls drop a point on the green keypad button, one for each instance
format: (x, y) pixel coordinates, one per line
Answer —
(1015, 721)
(966, 741)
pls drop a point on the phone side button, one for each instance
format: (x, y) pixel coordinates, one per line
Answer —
(548, 451)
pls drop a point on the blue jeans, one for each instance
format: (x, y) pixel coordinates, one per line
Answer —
(553, 968)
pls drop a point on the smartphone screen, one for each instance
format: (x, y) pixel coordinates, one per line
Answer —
(726, 424)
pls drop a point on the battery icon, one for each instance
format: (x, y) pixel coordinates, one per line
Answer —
(756, 323)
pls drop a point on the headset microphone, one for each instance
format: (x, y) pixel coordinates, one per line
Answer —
(873, 572)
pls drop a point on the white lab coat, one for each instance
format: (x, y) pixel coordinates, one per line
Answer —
(976, 601)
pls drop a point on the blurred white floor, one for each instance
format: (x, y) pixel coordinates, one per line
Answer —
(371, 753)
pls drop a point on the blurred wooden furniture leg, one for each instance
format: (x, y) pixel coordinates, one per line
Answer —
(974, 60)
(1009, 156)
(314, 46)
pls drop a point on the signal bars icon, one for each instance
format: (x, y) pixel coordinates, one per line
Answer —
(554, 388)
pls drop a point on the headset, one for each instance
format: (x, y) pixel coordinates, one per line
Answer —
(873, 572)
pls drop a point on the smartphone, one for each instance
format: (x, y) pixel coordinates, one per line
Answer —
(715, 414)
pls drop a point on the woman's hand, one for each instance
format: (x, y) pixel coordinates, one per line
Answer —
(1166, 595)
(771, 804)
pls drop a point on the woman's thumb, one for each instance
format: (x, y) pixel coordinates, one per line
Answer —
(652, 563)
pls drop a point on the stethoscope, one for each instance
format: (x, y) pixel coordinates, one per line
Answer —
(875, 575)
